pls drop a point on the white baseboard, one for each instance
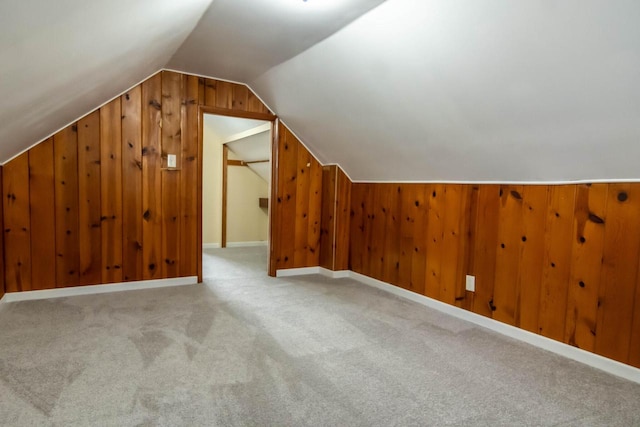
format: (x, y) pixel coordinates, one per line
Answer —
(290, 272)
(235, 244)
(604, 364)
(97, 289)
(591, 359)
(340, 274)
(246, 244)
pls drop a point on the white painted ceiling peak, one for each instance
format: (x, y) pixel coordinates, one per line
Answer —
(396, 90)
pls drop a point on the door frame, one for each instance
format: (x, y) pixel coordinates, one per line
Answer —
(202, 110)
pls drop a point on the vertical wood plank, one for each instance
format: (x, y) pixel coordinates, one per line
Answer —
(89, 226)
(111, 190)
(224, 94)
(508, 254)
(327, 239)
(434, 240)
(406, 217)
(43, 224)
(254, 104)
(171, 197)
(586, 266)
(65, 147)
(356, 237)
(534, 218)
(391, 248)
(486, 244)
(191, 250)
(302, 208)
(17, 226)
(151, 179)
(240, 97)
(275, 205)
(131, 104)
(375, 234)
(369, 207)
(315, 191)
(288, 152)
(453, 248)
(634, 344)
(557, 261)
(619, 272)
(199, 99)
(343, 218)
(210, 92)
(225, 186)
(420, 238)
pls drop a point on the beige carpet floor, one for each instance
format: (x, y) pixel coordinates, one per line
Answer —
(248, 350)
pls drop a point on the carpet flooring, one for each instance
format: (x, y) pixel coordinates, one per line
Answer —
(248, 350)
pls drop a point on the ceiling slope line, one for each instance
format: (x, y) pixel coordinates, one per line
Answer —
(187, 74)
(267, 105)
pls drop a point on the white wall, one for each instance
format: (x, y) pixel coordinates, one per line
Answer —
(246, 221)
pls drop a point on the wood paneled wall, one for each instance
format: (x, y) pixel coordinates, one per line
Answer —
(296, 195)
(96, 203)
(334, 241)
(561, 261)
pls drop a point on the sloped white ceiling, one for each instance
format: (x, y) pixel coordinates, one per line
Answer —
(458, 90)
(61, 59)
(400, 90)
(241, 39)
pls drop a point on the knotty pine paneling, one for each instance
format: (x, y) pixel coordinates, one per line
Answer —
(335, 219)
(561, 261)
(89, 231)
(171, 144)
(65, 152)
(151, 178)
(111, 191)
(343, 220)
(189, 213)
(17, 235)
(291, 202)
(93, 204)
(43, 218)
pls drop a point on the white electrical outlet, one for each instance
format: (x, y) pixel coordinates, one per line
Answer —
(171, 160)
(471, 283)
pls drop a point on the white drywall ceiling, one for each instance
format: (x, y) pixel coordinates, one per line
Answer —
(61, 59)
(425, 90)
(224, 128)
(458, 90)
(241, 39)
(255, 147)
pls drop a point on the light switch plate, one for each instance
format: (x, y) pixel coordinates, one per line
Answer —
(171, 160)
(471, 283)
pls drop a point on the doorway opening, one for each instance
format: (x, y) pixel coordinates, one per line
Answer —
(236, 184)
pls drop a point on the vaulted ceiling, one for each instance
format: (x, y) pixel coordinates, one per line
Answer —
(402, 90)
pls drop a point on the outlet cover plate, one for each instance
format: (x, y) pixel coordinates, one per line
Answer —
(471, 283)
(171, 160)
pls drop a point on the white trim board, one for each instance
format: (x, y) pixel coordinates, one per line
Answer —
(292, 272)
(97, 289)
(591, 359)
(235, 244)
